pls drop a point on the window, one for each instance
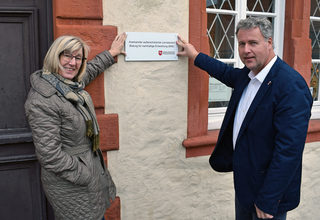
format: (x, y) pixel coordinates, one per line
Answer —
(222, 17)
(296, 52)
(315, 44)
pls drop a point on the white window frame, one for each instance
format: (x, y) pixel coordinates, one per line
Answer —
(216, 115)
(315, 112)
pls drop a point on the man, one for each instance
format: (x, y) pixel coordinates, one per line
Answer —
(264, 129)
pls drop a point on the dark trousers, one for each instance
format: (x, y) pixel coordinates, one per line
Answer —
(244, 214)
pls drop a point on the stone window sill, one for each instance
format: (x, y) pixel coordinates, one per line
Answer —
(203, 145)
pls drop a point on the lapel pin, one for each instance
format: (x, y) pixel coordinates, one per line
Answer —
(269, 83)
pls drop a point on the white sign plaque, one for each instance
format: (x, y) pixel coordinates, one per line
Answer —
(150, 46)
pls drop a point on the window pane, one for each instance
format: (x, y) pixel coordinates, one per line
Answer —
(260, 5)
(315, 38)
(314, 10)
(314, 83)
(221, 4)
(221, 35)
(219, 94)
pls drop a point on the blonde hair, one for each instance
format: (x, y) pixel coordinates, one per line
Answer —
(68, 43)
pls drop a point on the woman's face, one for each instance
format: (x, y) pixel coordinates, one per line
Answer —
(71, 63)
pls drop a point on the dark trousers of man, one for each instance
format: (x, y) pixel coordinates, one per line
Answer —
(243, 214)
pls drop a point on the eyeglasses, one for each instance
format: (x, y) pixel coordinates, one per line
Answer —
(68, 57)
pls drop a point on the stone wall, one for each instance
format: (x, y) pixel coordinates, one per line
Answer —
(154, 178)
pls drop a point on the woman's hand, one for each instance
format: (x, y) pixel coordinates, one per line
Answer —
(117, 45)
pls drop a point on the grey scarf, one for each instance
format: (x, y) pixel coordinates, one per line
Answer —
(75, 93)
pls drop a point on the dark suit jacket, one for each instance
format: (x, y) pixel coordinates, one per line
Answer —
(267, 159)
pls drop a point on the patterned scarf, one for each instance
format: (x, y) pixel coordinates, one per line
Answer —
(75, 93)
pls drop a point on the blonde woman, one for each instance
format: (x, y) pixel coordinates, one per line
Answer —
(65, 129)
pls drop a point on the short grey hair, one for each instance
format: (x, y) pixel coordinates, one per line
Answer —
(262, 23)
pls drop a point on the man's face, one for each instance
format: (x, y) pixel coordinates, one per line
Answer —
(254, 51)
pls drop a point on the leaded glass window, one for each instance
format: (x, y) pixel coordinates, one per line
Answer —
(315, 43)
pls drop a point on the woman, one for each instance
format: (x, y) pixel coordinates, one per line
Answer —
(65, 129)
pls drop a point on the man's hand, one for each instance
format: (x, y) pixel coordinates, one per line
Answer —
(262, 214)
(188, 49)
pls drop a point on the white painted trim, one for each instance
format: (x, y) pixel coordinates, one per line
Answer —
(220, 11)
(313, 18)
(215, 117)
(280, 6)
(256, 13)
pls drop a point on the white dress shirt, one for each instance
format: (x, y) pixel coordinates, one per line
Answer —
(247, 97)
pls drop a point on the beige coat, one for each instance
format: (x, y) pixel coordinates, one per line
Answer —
(75, 180)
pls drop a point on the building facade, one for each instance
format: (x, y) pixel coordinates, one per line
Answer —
(160, 120)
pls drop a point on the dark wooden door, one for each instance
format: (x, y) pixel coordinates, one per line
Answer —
(25, 35)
